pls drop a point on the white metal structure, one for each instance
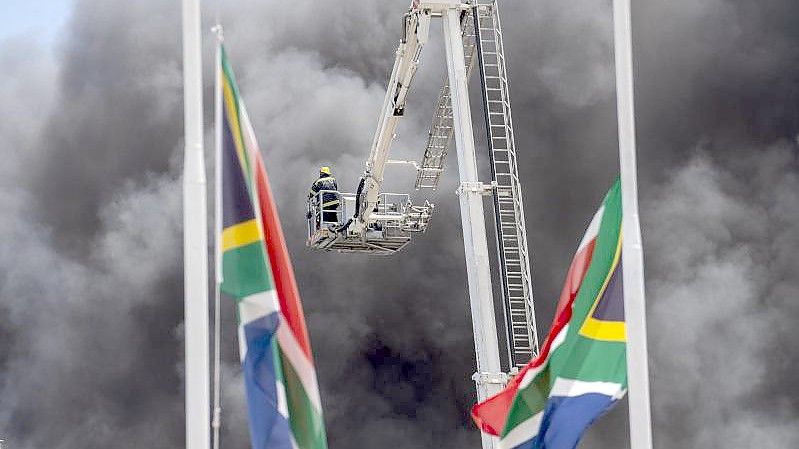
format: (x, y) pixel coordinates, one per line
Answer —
(472, 32)
(632, 247)
(195, 237)
(489, 377)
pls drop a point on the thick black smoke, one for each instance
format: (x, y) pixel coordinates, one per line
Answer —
(90, 265)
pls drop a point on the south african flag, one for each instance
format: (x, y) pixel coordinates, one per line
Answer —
(283, 403)
(581, 370)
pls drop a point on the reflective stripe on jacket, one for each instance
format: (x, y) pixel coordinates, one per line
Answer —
(328, 198)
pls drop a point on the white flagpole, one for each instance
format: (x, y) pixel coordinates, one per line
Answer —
(216, 422)
(632, 249)
(195, 237)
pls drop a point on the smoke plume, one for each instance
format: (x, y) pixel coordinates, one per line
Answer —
(90, 261)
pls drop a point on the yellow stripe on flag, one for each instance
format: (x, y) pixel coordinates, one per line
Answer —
(601, 329)
(233, 118)
(240, 234)
(604, 330)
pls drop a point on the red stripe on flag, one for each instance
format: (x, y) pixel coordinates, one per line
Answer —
(282, 270)
(574, 278)
(491, 415)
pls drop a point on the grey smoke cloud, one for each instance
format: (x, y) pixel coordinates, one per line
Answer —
(729, 284)
(90, 269)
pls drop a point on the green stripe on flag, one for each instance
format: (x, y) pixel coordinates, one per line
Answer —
(529, 401)
(306, 421)
(245, 270)
(595, 361)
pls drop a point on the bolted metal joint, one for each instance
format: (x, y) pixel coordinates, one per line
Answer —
(490, 378)
(474, 187)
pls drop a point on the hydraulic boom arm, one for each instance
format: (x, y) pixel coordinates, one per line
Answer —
(416, 27)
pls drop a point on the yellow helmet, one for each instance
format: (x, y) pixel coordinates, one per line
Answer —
(324, 170)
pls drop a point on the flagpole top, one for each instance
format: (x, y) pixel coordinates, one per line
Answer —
(219, 32)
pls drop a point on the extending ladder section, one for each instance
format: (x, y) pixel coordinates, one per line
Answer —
(429, 172)
(507, 193)
(482, 37)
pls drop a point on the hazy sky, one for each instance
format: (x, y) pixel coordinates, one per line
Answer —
(42, 20)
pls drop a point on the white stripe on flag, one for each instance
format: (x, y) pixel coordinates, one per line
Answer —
(257, 306)
(252, 308)
(302, 366)
(282, 402)
(593, 229)
(530, 375)
(572, 388)
(242, 343)
(283, 409)
(525, 431)
(250, 142)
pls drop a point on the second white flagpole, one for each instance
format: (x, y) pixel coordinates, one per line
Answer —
(217, 410)
(195, 237)
(632, 248)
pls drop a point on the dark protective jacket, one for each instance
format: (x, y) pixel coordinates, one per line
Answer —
(329, 199)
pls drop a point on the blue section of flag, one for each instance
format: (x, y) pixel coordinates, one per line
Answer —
(566, 418)
(268, 428)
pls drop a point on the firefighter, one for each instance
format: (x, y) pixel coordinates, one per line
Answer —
(330, 196)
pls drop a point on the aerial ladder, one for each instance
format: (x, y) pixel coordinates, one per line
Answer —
(368, 220)
(383, 223)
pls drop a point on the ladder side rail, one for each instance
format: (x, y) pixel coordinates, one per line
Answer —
(498, 134)
(519, 204)
(500, 243)
(527, 332)
(509, 213)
